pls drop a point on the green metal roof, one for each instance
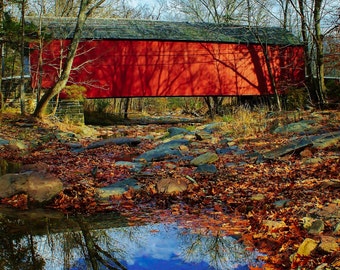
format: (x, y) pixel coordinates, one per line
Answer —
(124, 29)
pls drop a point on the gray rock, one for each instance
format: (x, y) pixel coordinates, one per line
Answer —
(135, 166)
(39, 187)
(3, 142)
(202, 135)
(302, 126)
(205, 158)
(206, 168)
(173, 144)
(117, 141)
(158, 154)
(326, 140)
(118, 188)
(173, 131)
(317, 227)
(293, 146)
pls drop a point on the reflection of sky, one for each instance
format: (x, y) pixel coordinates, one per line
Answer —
(157, 246)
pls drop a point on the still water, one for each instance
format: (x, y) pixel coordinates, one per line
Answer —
(45, 240)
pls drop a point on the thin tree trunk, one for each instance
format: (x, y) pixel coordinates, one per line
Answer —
(61, 83)
(22, 58)
(1, 53)
(319, 51)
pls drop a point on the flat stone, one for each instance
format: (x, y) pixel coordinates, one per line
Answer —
(173, 131)
(3, 142)
(317, 227)
(205, 158)
(307, 247)
(117, 141)
(202, 135)
(171, 185)
(328, 244)
(118, 188)
(293, 146)
(297, 127)
(206, 168)
(158, 155)
(257, 197)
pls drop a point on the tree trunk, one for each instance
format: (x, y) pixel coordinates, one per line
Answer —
(22, 58)
(319, 52)
(1, 53)
(83, 14)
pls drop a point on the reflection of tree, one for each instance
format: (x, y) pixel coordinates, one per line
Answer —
(221, 252)
(18, 251)
(95, 254)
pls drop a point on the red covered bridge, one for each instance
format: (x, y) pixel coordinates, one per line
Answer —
(140, 58)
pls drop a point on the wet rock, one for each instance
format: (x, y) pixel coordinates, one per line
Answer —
(171, 185)
(206, 158)
(118, 188)
(307, 247)
(328, 244)
(39, 187)
(317, 227)
(206, 168)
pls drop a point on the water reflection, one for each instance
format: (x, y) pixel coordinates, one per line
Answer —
(106, 242)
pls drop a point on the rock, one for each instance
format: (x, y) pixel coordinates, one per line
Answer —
(328, 244)
(205, 158)
(317, 227)
(281, 203)
(337, 229)
(293, 146)
(135, 166)
(118, 188)
(302, 126)
(206, 168)
(326, 140)
(3, 142)
(171, 185)
(17, 145)
(173, 144)
(307, 247)
(173, 131)
(274, 225)
(202, 135)
(158, 154)
(40, 187)
(117, 141)
(257, 197)
(211, 127)
(307, 222)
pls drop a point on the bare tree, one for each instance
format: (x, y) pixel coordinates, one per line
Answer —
(85, 10)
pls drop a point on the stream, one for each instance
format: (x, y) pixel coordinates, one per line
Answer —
(45, 239)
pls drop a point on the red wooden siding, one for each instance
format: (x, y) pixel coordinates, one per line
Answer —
(130, 68)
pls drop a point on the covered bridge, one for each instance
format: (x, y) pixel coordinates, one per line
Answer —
(141, 58)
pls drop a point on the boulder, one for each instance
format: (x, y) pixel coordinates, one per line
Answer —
(40, 187)
(118, 188)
